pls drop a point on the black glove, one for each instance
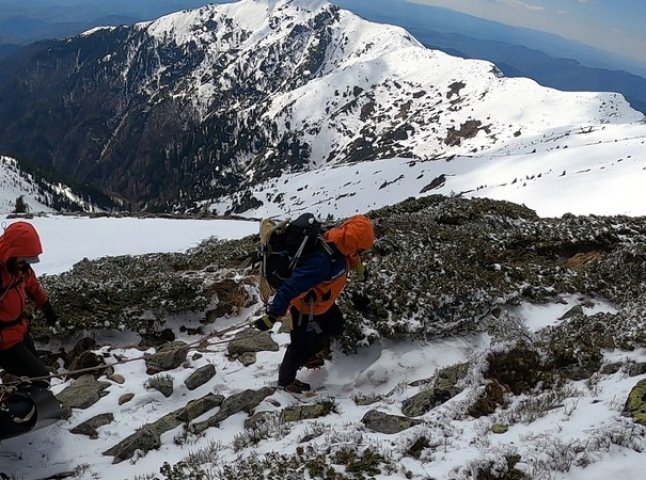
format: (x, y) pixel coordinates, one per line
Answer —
(50, 315)
(265, 322)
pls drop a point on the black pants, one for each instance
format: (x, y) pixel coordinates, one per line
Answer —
(22, 360)
(307, 339)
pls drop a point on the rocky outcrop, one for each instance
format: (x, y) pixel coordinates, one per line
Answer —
(83, 393)
(89, 427)
(385, 423)
(251, 340)
(167, 357)
(445, 387)
(148, 437)
(635, 406)
(243, 401)
(200, 376)
(296, 413)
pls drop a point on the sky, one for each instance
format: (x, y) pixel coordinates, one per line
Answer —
(385, 368)
(613, 25)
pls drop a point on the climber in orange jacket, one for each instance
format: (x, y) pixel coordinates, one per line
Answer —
(19, 247)
(309, 296)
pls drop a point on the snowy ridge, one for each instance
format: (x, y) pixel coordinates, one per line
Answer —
(583, 171)
(15, 183)
(367, 81)
(39, 195)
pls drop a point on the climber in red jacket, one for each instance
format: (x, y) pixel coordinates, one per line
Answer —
(19, 247)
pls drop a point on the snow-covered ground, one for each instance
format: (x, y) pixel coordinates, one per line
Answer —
(598, 171)
(381, 369)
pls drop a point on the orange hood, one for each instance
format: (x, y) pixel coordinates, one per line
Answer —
(20, 239)
(353, 236)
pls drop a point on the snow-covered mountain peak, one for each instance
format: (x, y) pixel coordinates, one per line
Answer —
(255, 17)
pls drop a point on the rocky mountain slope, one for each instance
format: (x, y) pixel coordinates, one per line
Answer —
(26, 190)
(204, 103)
(450, 371)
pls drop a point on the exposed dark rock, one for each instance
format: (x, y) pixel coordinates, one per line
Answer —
(362, 400)
(85, 360)
(125, 398)
(148, 437)
(156, 339)
(576, 310)
(636, 369)
(200, 376)
(385, 423)
(83, 393)
(83, 345)
(468, 129)
(163, 384)
(611, 368)
(89, 427)
(117, 378)
(144, 439)
(195, 408)
(243, 401)
(437, 182)
(258, 419)
(499, 428)
(168, 357)
(296, 413)
(252, 340)
(635, 406)
(444, 388)
(247, 358)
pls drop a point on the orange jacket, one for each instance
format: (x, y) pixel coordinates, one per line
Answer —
(19, 240)
(351, 238)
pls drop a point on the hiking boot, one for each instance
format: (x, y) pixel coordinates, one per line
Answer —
(317, 360)
(297, 387)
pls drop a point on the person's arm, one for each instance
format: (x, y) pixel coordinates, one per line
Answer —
(307, 275)
(34, 289)
(39, 296)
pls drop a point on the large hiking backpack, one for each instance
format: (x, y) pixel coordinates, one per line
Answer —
(282, 245)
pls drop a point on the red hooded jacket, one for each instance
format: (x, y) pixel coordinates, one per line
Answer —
(19, 240)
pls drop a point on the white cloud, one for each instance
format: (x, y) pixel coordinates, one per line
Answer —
(519, 3)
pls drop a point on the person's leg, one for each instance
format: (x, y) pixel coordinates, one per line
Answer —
(331, 324)
(304, 343)
(332, 321)
(22, 360)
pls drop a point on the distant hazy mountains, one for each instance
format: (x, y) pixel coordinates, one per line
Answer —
(552, 61)
(25, 22)
(561, 73)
